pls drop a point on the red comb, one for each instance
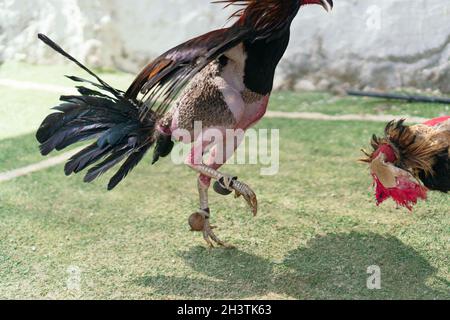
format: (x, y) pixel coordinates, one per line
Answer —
(388, 151)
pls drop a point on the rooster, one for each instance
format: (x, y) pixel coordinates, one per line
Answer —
(222, 79)
(411, 160)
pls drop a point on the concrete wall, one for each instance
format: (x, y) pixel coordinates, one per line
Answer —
(382, 44)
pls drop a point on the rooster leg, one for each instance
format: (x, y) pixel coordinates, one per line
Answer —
(200, 221)
(218, 156)
(230, 183)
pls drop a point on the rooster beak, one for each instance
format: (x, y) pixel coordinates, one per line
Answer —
(327, 5)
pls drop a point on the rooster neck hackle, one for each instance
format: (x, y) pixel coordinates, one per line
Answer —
(269, 22)
(264, 16)
(262, 61)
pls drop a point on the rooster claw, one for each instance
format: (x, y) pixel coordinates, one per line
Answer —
(227, 184)
(241, 189)
(211, 238)
(199, 221)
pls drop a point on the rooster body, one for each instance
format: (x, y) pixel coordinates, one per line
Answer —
(222, 79)
(218, 98)
(409, 161)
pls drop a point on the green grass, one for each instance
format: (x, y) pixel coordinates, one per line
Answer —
(335, 105)
(317, 232)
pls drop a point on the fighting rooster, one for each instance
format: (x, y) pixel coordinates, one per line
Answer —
(409, 161)
(222, 79)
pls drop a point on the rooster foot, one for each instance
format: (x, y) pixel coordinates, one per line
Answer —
(227, 184)
(223, 186)
(199, 221)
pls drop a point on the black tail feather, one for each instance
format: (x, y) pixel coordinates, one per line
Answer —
(69, 133)
(115, 158)
(48, 127)
(89, 92)
(85, 158)
(88, 135)
(127, 167)
(105, 115)
(58, 49)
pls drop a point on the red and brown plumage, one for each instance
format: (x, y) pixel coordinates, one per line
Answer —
(262, 15)
(411, 160)
(162, 79)
(267, 12)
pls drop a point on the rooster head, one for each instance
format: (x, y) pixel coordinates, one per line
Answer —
(391, 178)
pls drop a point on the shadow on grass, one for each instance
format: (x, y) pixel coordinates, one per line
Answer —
(329, 267)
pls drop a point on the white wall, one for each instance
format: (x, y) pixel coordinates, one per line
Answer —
(372, 43)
